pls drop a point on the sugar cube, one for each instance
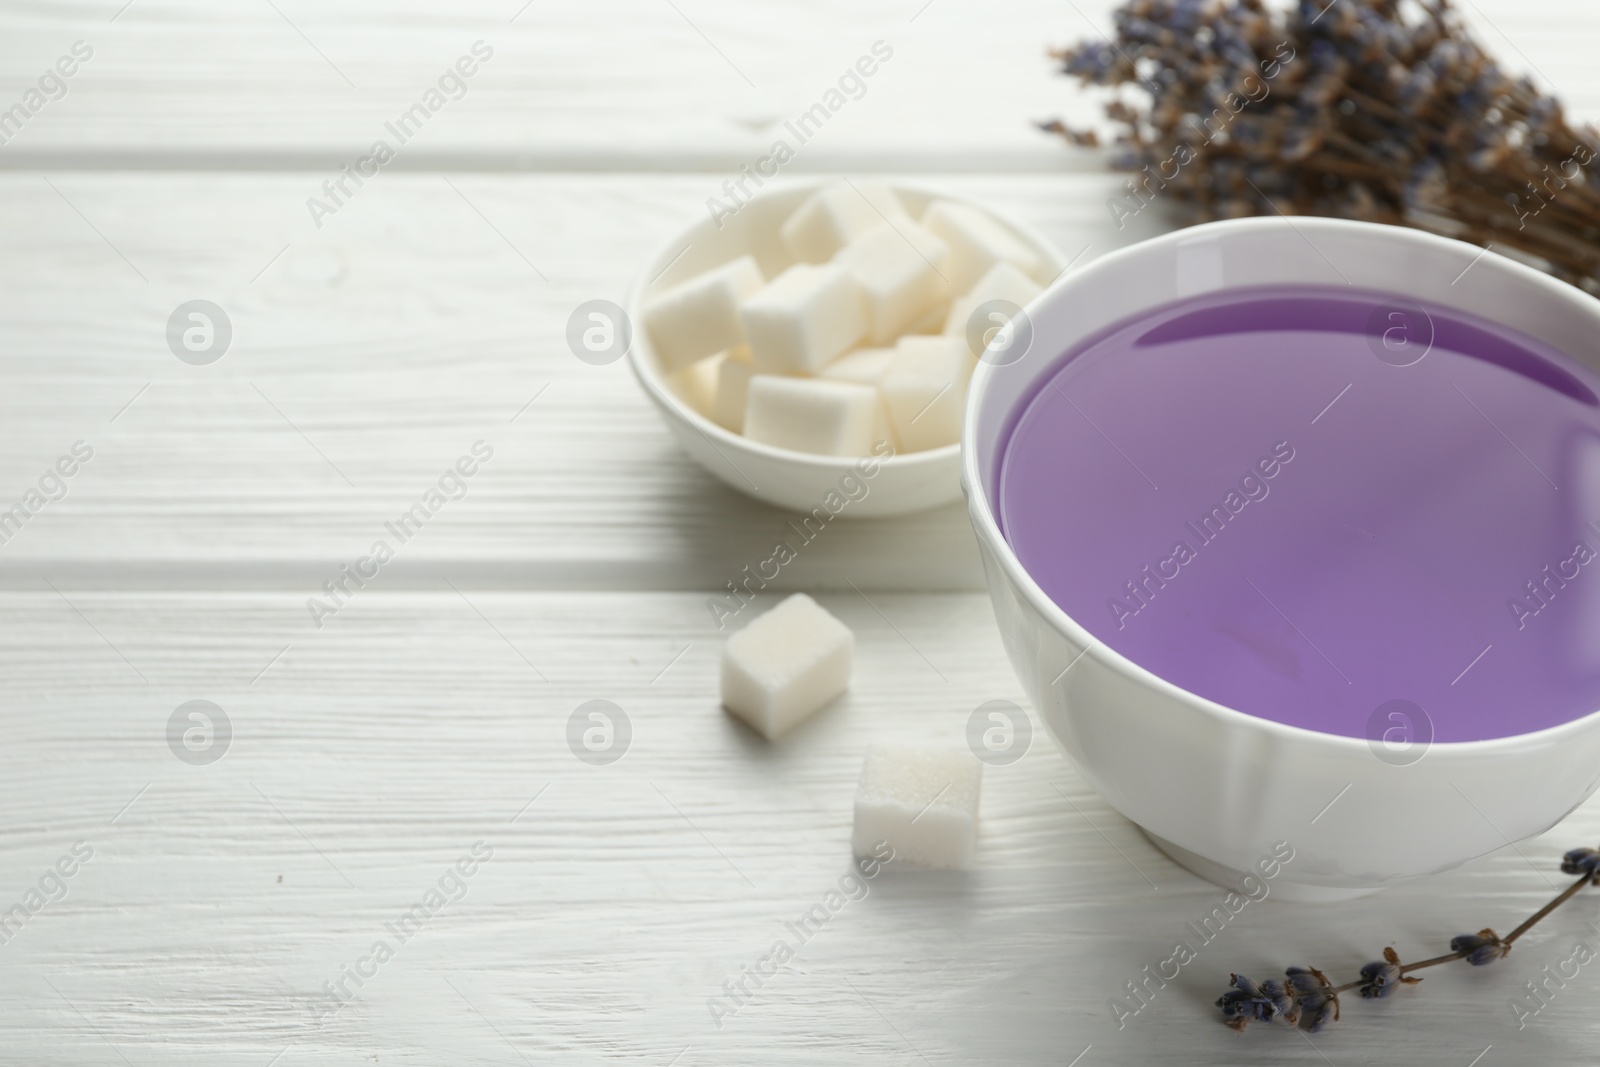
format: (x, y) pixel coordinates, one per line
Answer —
(755, 227)
(699, 317)
(898, 267)
(803, 318)
(922, 801)
(1001, 282)
(882, 431)
(733, 385)
(864, 366)
(821, 415)
(837, 214)
(932, 321)
(696, 384)
(924, 390)
(785, 665)
(977, 242)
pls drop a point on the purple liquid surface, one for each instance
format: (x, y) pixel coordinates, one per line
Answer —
(1261, 498)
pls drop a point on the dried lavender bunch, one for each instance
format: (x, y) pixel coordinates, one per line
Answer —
(1306, 999)
(1380, 110)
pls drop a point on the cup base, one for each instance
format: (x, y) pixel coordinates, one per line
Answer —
(1282, 888)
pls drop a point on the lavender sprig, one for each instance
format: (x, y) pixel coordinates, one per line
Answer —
(1307, 1000)
(1380, 110)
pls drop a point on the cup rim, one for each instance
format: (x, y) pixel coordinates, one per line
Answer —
(988, 529)
(642, 358)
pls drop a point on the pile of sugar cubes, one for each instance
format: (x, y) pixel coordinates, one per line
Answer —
(795, 659)
(861, 340)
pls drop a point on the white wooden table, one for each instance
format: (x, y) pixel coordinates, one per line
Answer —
(369, 755)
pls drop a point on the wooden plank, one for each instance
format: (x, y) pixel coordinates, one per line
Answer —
(614, 84)
(607, 85)
(367, 356)
(372, 755)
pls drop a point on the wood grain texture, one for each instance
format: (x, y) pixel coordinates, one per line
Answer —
(367, 357)
(605, 85)
(377, 751)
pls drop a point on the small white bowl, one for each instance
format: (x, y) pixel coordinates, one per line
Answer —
(908, 482)
(1215, 788)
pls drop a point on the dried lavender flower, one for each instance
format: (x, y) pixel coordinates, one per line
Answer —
(1380, 110)
(1582, 861)
(1246, 1001)
(1379, 979)
(1480, 949)
(1382, 977)
(1314, 995)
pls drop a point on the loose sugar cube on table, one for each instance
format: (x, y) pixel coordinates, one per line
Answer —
(1001, 282)
(924, 390)
(785, 665)
(835, 215)
(820, 415)
(922, 801)
(977, 242)
(864, 366)
(899, 268)
(804, 318)
(700, 317)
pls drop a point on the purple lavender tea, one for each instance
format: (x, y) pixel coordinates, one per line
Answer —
(1305, 503)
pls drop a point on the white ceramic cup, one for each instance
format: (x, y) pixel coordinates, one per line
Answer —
(1215, 788)
(911, 481)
